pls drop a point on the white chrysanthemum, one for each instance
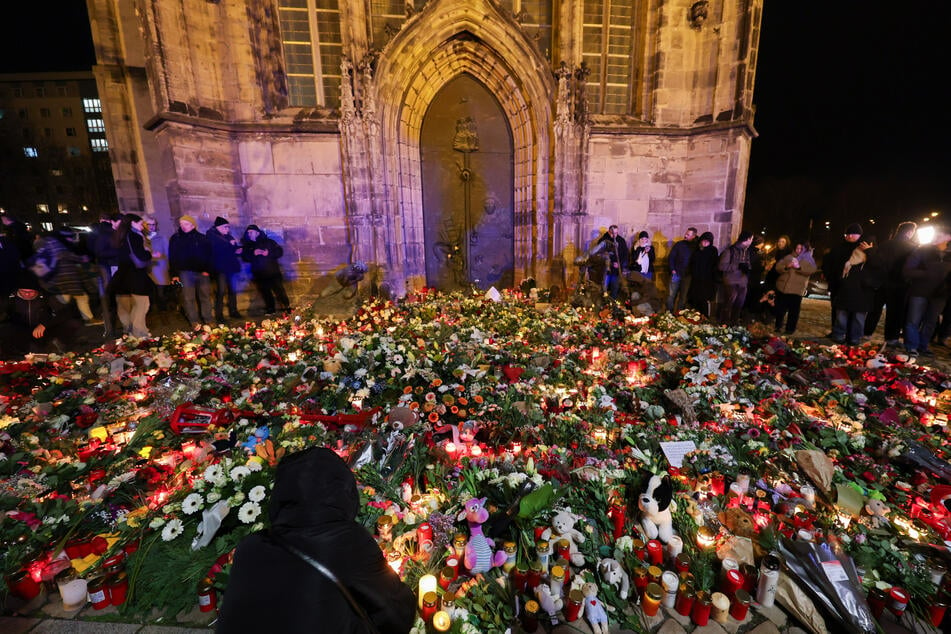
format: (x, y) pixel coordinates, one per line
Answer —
(213, 497)
(193, 503)
(172, 530)
(249, 512)
(254, 465)
(239, 473)
(215, 474)
(236, 499)
(257, 493)
(397, 359)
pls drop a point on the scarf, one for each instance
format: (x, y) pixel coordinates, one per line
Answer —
(858, 257)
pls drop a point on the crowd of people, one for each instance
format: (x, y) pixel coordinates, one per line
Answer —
(908, 282)
(123, 271)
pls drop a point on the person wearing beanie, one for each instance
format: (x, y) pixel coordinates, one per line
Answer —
(35, 322)
(225, 251)
(190, 261)
(834, 261)
(734, 266)
(702, 269)
(678, 261)
(642, 258)
(263, 254)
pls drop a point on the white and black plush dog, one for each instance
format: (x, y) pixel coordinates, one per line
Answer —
(656, 505)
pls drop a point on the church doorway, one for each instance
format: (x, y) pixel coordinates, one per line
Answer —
(467, 177)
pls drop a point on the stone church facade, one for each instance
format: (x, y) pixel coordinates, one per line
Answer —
(441, 142)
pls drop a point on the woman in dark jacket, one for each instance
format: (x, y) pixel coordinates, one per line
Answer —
(131, 284)
(312, 509)
(642, 257)
(703, 275)
(263, 253)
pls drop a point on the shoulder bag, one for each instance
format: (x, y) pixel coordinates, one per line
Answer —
(329, 574)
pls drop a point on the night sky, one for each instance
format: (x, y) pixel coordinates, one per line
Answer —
(851, 107)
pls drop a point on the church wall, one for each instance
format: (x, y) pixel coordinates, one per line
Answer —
(663, 184)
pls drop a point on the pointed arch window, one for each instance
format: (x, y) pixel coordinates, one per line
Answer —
(310, 35)
(535, 16)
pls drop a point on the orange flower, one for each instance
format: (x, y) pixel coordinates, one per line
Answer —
(408, 389)
(463, 400)
(428, 407)
(463, 413)
(433, 417)
(414, 405)
(477, 398)
(454, 409)
(436, 382)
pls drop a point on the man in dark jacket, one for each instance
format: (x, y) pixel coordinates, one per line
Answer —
(892, 294)
(926, 272)
(834, 262)
(734, 267)
(34, 322)
(615, 247)
(190, 262)
(679, 263)
(272, 589)
(225, 252)
(263, 255)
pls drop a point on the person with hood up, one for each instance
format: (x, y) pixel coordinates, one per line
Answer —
(273, 589)
(35, 322)
(703, 275)
(263, 255)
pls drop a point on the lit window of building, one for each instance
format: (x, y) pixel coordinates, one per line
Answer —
(313, 72)
(95, 125)
(608, 47)
(47, 226)
(92, 105)
(42, 208)
(61, 208)
(99, 145)
(30, 152)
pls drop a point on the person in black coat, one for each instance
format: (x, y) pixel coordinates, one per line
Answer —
(703, 275)
(835, 259)
(861, 275)
(312, 509)
(893, 294)
(927, 273)
(263, 255)
(615, 247)
(679, 263)
(35, 322)
(10, 264)
(190, 262)
(642, 257)
(131, 284)
(103, 249)
(226, 251)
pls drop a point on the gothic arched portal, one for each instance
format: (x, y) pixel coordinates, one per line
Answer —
(467, 167)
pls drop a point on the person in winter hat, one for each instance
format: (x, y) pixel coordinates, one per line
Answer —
(263, 254)
(226, 251)
(190, 262)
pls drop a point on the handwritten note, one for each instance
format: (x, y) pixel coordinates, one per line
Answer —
(675, 451)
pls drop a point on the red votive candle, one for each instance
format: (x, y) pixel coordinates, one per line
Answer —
(740, 605)
(655, 552)
(700, 615)
(573, 605)
(732, 581)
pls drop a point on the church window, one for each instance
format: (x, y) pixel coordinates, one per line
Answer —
(386, 17)
(310, 34)
(607, 49)
(535, 16)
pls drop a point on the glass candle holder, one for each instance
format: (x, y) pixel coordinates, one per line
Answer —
(573, 605)
(442, 621)
(740, 606)
(427, 584)
(700, 614)
(650, 600)
(73, 591)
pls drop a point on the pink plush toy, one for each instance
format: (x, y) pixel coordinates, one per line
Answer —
(479, 556)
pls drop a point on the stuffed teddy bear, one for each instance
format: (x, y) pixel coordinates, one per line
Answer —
(878, 511)
(563, 527)
(656, 505)
(594, 610)
(613, 575)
